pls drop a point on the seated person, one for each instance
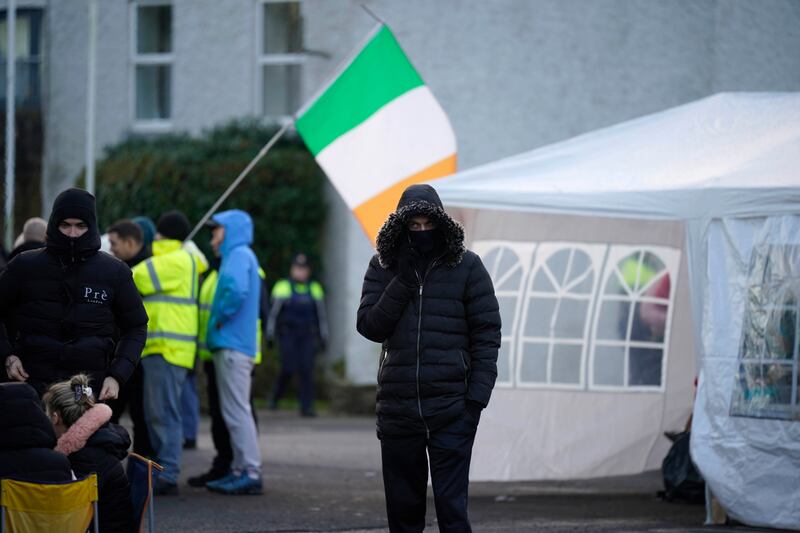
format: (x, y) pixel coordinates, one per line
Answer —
(27, 438)
(92, 444)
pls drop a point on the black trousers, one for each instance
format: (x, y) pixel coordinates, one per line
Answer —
(131, 397)
(405, 477)
(219, 431)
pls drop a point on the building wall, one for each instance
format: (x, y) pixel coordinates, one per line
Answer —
(511, 74)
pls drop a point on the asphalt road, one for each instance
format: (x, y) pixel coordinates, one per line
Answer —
(324, 475)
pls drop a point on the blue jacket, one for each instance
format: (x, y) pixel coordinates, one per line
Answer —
(233, 321)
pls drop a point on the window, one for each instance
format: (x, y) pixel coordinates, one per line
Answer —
(279, 59)
(633, 318)
(28, 49)
(152, 64)
(768, 379)
(508, 264)
(554, 324)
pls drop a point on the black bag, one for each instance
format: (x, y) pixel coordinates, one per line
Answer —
(682, 481)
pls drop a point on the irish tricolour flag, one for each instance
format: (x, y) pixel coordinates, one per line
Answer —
(376, 128)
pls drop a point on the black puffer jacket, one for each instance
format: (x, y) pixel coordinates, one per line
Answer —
(94, 445)
(64, 302)
(440, 338)
(27, 438)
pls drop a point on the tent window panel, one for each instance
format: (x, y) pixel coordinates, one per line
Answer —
(542, 283)
(540, 314)
(571, 319)
(533, 368)
(512, 281)
(613, 320)
(609, 365)
(644, 367)
(566, 364)
(764, 391)
(504, 361)
(583, 286)
(508, 308)
(649, 320)
(557, 263)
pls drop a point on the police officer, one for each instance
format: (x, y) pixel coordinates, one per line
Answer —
(64, 302)
(297, 319)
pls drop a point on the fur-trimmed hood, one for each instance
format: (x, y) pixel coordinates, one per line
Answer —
(93, 429)
(419, 200)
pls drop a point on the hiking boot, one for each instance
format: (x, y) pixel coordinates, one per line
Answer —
(211, 475)
(165, 488)
(214, 486)
(242, 484)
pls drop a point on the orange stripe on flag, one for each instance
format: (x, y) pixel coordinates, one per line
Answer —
(374, 212)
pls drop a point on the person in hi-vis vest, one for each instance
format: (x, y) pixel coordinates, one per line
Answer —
(297, 320)
(168, 282)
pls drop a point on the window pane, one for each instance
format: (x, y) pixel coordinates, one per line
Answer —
(580, 264)
(571, 319)
(282, 28)
(22, 37)
(503, 368)
(154, 30)
(540, 313)
(780, 334)
(613, 285)
(649, 322)
(558, 265)
(764, 390)
(609, 365)
(281, 90)
(541, 283)
(508, 309)
(613, 320)
(644, 366)
(513, 282)
(152, 92)
(566, 364)
(584, 287)
(534, 362)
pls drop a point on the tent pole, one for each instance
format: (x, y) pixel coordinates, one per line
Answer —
(11, 70)
(90, 96)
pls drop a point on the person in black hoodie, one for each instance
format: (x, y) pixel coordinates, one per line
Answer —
(92, 444)
(27, 438)
(431, 303)
(66, 301)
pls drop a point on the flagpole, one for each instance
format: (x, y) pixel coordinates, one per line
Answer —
(267, 147)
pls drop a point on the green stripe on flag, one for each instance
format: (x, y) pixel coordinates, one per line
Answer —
(379, 73)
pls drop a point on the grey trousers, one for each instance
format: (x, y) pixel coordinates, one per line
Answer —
(233, 371)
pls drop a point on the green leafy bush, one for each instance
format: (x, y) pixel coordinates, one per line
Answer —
(283, 193)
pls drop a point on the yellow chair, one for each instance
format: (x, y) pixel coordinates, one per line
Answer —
(66, 507)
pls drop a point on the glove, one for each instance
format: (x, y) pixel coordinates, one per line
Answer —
(406, 266)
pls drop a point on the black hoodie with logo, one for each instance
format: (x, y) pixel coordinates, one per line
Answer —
(65, 300)
(440, 335)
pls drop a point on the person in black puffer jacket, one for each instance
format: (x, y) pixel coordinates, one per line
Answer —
(64, 302)
(27, 438)
(92, 444)
(431, 303)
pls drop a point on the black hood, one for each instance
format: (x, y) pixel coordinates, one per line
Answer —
(73, 203)
(23, 423)
(419, 200)
(113, 439)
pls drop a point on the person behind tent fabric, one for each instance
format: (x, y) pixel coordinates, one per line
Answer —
(92, 444)
(169, 283)
(297, 319)
(128, 245)
(231, 337)
(27, 438)
(69, 303)
(221, 464)
(432, 304)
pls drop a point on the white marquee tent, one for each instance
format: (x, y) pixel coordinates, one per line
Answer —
(628, 261)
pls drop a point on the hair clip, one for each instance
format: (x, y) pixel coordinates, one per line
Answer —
(81, 391)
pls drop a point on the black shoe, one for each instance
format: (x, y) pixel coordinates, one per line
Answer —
(165, 488)
(308, 414)
(189, 444)
(211, 475)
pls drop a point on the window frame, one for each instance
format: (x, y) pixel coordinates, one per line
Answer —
(671, 257)
(544, 251)
(262, 59)
(157, 59)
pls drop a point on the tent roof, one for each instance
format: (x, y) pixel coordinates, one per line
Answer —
(727, 154)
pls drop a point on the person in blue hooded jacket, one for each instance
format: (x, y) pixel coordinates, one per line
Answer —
(231, 337)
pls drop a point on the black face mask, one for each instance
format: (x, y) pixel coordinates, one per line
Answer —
(426, 242)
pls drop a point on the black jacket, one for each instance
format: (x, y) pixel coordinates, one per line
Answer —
(440, 338)
(66, 300)
(27, 438)
(98, 447)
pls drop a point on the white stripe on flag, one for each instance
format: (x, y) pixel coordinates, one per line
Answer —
(404, 137)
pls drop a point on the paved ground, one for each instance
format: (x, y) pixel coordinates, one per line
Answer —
(324, 475)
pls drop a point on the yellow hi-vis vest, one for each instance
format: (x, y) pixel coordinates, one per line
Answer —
(207, 292)
(168, 282)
